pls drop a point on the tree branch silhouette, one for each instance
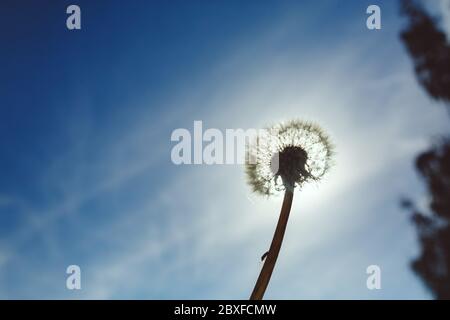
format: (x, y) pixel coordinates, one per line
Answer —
(430, 52)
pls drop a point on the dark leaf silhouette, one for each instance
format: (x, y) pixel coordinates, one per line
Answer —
(433, 265)
(429, 50)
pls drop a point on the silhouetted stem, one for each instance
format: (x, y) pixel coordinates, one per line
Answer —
(271, 259)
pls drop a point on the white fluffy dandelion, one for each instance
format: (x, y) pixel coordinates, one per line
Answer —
(287, 155)
(283, 157)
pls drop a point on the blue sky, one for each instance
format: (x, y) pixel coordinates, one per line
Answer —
(85, 170)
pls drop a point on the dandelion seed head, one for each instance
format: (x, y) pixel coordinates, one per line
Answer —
(288, 155)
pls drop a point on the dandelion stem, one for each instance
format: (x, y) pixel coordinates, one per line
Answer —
(275, 246)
